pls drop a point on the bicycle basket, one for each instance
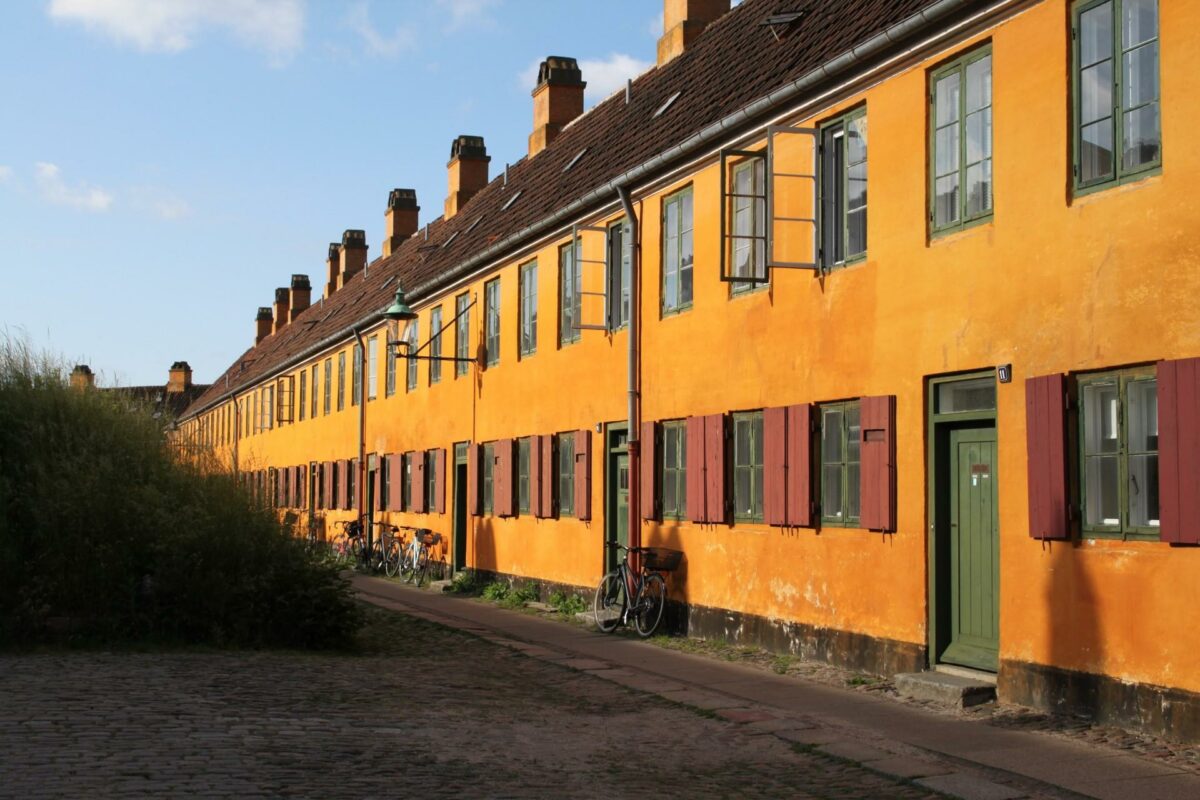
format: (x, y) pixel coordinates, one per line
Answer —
(429, 538)
(662, 558)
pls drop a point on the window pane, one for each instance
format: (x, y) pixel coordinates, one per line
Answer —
(668, 489)
(1139, 21)
(1103, 498)
(1142, 138)
(945, 208)
(946, 149)
(979, 188)
(1096, 151)
(979, 135)
(1142, 437)
(743, 505)
(853, 434)
(946, 91)
(831, 491)
(1102, 415)
(1143, 416)
(979, 84)
(1140, 77)
(741, 448)
(1095, 34)
(1096, 84)
(856, 140)
(685, 250)
(856, 232)
(831, 436)
(852, 491)
(978, 394)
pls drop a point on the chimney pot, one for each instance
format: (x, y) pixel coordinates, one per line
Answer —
(400, 219)
(262, 324)
(282, 296)
(683, 22)
(333, 266)
(179, 378)
(353, 252)
(557, 99)
(82, 377)
(467, 172)
(299, 296)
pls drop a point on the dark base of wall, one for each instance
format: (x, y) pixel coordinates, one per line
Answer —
(1158, 710)
(845, 649)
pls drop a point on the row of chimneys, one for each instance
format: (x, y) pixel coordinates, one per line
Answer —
(557, 100)
(179, 378)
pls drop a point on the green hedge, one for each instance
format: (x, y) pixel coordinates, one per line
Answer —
(106, 535)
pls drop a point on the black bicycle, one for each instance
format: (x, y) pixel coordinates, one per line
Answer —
(646, 585)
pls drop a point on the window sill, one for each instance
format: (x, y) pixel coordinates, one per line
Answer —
(1138, 536)
(852, 262)
(1126, 183)
(948, 233)
(674, 312)
(754, 289)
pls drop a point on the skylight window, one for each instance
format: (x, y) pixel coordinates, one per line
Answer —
(453, 236)
(670, 101)
(511, 200)
(478, 220)
(574, 160)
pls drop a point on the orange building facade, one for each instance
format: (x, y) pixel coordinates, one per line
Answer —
(914, 376)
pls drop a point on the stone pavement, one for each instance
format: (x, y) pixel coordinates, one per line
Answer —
(961, 757)
(425, 711)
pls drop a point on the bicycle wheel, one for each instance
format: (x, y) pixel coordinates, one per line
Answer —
(422, 569)
(408, 565)
(391, 561)
(609, 606)
(649, 604)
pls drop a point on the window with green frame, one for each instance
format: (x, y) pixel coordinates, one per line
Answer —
(523, 475)
(356, 376)
(748, 258)
(341, 381)
(312, 411)
(843, 185)
(1117, 127)
(435, 345)
(390, 379)
(328, 384)
(564, 473)
(406, 470)
(430, 457)
(527, 307)
(491, 321)
(960, 141)
(462, 333)
(673, 482)
(1118, 442)
(303, 393)
(840, 463)
(677, 252)
(489, 471)
(570, 300)
(747, 466)
(410, 364)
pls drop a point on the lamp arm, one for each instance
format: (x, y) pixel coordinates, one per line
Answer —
(417, 353)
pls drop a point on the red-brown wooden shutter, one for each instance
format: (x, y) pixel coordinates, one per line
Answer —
(697, 509)
(583, 474)
(549, 476)
(878, 473)
(502, 476)
(648, 469)
(474, 497)
(395, 479)
(343, 484)
(535, 475)
(1046, 454)
(377, 485)
(293, 487)
(439, 480)
(418, 481)
(1179, 450)
(714, 467)
(775, 466)
(326, 485)
(799, 465)
(302, 486)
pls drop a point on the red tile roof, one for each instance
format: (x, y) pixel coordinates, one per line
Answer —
(737, 61)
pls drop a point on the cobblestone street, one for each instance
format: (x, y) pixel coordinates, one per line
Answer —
(424, 711)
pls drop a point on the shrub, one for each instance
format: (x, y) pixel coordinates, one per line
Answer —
(107, 534)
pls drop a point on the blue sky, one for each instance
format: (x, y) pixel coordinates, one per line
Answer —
(165, 165)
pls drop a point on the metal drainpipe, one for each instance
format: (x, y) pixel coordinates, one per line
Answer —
(635, 310)
(360, 488)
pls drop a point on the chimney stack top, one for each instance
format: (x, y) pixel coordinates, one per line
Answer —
(354, 239)
(469, 147)
(264, 313)
(281, 295)
(300, 282)
(403, 200)
(560, 71)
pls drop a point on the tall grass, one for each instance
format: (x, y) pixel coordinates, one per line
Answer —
(107, 535)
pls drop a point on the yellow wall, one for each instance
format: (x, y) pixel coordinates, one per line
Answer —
(1050, 284)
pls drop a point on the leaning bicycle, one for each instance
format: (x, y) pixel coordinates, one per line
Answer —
(415, 567)
(646, 585)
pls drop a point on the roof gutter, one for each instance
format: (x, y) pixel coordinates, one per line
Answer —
(720, 129)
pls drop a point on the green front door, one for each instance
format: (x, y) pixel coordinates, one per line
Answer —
(616, 526)
(974, 550)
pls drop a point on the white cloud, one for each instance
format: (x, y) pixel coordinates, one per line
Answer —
(5, 173)
(171, 26)
(606, 75)
(376, 44)
(467, 12)
(654, 25)
(55, 190)
(157, 202)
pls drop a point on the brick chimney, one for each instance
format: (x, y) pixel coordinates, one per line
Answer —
(82, 377)
(557, 99)
(333, 267)
(299, 297)
(179, 379)
(683, 22)
(400, 219)
(281, 310)
(468, 171)
(353, 255)
(262, 324)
